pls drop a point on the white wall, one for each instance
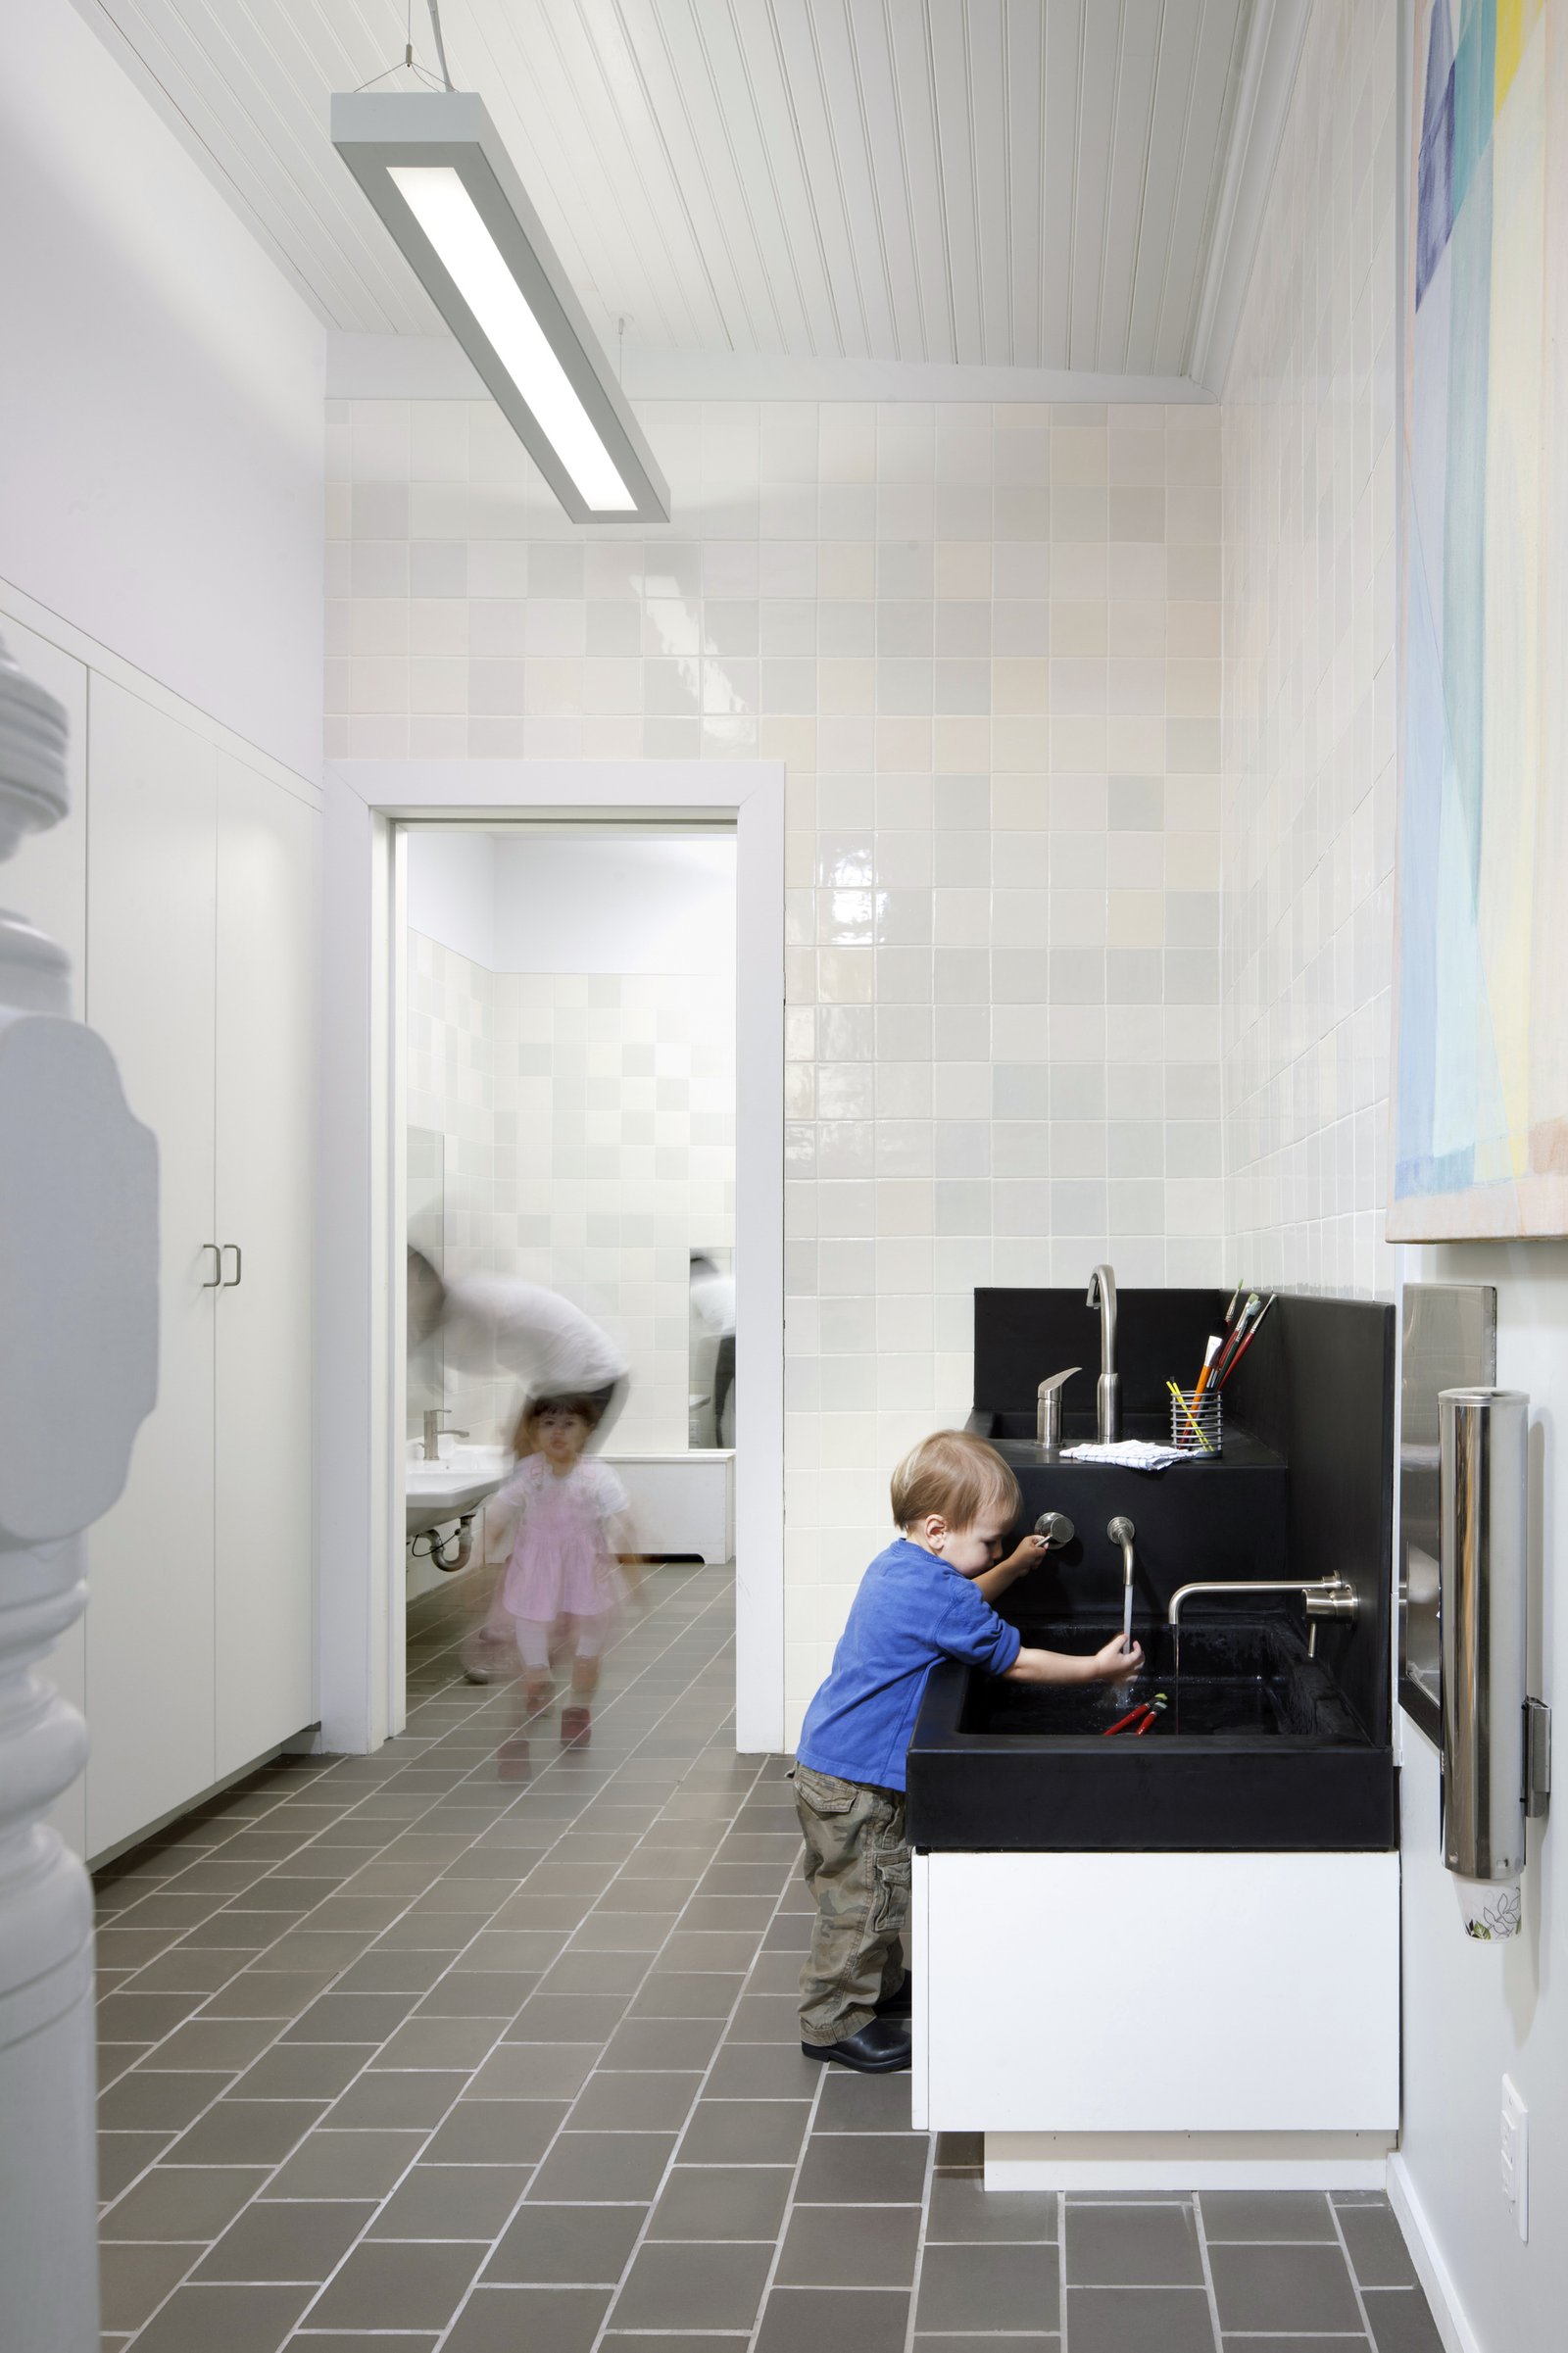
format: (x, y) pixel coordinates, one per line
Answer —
(1309, 456)
(1473, 2012)
(984, 643)
(1309, 467)
(161, 421)
(451, 891)
(610, 902)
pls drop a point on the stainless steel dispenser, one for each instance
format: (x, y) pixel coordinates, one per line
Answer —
(1484, 1525)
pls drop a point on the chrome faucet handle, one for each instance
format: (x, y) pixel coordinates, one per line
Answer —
(1122, 1532)
(1048, 1407)
(1057, 1528)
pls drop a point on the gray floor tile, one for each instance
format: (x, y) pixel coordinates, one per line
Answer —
(985, 2287)
(642, 2044)
(407, 2102)
(304, 2070)
(351, 2018)
(578, 2246)
(768, 2071)
(157, 2103)
(961, 2209)
(1140, 2320)
(1400, 2319)
(286, 2241)
(637, 2103)
(584, 2166)
(496, 2132)
(1276, 2343)
(744, 2133)
(346, 2165)
(516, 2071)
(1303, 2287)
(121, 2156)
(1266, 2214)
(529, 2320)
(1379, 2255)
(472, 1993)
(215, 2044)
(850, 2246)
(247, 2131)
(1133, 2246)
(988, 2345)
(452, 2201)
(182, 2201)
(387, 2283)
(439, 2042)
(716, 2201)
(834, 2319)
(133, 2281)
(693, 2287)
(853, 2103)
(680, 1994)
(242, 2320)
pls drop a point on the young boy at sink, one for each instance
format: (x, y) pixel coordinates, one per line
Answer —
(928, 1596)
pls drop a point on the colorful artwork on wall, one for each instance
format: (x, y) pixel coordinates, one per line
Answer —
(1480, 1108)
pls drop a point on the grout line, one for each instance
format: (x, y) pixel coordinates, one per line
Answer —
(790, 2200)
(686, 1629)
(1355, 2285)
(1197, 2205)
(922, 2230)
(1062, 2255)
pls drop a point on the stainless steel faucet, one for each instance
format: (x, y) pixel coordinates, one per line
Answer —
(434, 1416)
(1122, 1532)
(1331, 1596)
(1108, 1393)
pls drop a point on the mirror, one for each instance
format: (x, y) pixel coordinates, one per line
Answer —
(427, 1185)
(711, 1349)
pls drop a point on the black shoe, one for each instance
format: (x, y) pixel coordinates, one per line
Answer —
(881, 2049)
(899, 2004)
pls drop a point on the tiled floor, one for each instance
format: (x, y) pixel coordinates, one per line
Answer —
(409, 2052)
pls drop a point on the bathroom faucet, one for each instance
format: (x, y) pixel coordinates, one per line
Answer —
(434, 1416)
(1108, 1393)
(1331, 1596)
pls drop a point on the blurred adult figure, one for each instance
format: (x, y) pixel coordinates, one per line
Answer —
(495, 1325)
(712, 1295)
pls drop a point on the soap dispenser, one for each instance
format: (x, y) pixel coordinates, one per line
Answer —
(1048, 1422)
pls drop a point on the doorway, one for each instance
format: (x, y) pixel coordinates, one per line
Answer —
(371, 808)
(569, 1046)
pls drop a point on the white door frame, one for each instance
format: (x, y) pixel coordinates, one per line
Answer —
(359, 1248)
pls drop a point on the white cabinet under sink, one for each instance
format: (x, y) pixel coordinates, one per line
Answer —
(200, 976)
(1134, 2021)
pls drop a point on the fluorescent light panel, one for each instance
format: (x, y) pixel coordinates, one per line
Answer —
(434, 168)
(443, 208)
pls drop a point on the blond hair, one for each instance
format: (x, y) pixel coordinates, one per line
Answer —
(956, 1475)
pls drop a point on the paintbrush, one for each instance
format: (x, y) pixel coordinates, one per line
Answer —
(1242, 1325)
(1215, 1343)
(1246, 1342)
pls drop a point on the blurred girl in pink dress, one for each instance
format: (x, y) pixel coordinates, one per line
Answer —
(564, 1576)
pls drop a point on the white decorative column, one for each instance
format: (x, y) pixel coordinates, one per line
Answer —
(79, 1370)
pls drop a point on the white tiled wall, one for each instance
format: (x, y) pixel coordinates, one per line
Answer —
(985, 643)
(615, 1158)
(1308, 439)
(589, 1121)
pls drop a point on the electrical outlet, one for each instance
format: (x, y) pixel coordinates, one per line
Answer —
(1516, 2155)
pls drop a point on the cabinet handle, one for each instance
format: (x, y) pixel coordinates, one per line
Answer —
(211, 1282)
(231, 1282)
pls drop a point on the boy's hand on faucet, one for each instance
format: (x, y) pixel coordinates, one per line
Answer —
(1113, 1664)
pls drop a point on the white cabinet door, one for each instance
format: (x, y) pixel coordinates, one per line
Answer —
(267, 892)
(152, 851)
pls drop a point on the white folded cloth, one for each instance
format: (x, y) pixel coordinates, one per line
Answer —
(1133, 1453)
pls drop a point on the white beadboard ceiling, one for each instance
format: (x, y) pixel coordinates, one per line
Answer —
(1007, 183)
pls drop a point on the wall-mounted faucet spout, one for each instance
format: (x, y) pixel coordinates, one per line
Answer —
(1108, 1393)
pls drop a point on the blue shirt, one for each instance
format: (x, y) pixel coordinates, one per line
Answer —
(910, 1611)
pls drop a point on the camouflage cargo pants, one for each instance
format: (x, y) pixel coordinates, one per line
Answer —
(858, 1868)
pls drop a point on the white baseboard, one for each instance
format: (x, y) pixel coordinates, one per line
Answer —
(1186, 2160)
(1452, 2320)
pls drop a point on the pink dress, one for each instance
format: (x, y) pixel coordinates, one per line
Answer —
(562, 1565)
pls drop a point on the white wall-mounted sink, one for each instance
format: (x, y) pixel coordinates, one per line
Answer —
(433, 1492)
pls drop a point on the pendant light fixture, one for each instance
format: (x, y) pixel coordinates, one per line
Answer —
(434, 168)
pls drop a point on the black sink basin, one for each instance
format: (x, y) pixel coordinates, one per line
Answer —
(1257, 1749)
